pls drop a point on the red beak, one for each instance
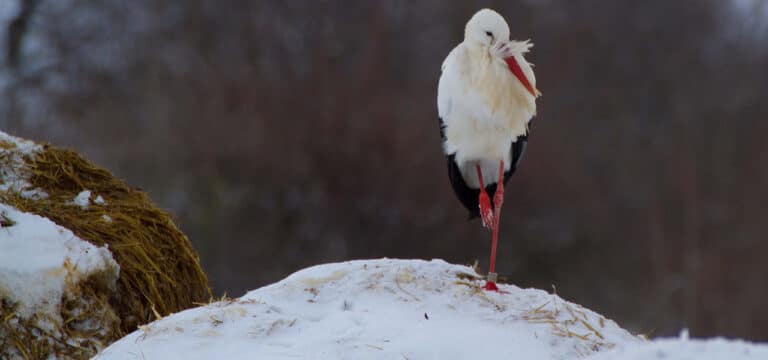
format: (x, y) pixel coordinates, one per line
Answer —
(514, 67)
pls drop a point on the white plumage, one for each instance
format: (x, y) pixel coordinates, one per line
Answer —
(483, 105)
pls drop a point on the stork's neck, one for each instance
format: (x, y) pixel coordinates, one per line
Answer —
(482, 65)
(478, 54)
(490, 77)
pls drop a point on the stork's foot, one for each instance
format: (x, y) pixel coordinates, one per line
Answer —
(486, 212)
(490, 282)
(490, 286)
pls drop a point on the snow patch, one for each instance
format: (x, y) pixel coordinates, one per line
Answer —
(14, 176)
(83, 199)
(39, 258)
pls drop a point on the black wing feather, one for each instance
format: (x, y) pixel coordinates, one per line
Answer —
(464, 193)
(469, 196)
(442, 128)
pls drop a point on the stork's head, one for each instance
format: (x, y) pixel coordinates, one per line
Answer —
(488, 33)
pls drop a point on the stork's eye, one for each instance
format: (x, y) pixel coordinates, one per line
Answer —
(490, 34)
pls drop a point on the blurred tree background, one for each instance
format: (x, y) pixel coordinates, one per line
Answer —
(283, 134)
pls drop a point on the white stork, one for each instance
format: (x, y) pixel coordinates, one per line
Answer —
(486, 99)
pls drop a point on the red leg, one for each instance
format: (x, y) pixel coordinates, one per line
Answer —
(498, 199)
(486, 215)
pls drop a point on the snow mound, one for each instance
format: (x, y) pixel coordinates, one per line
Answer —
(684, 349)
(378, 309)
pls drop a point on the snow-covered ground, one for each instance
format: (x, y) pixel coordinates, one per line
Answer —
(401, 309)
(378, 309)
(685, 349)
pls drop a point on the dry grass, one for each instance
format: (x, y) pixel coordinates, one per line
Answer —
(87, 323)
(566, 320)
(160, 273)
(570, 321)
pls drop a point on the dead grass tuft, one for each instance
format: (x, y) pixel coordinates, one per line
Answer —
(570, 321)
(566, 320)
